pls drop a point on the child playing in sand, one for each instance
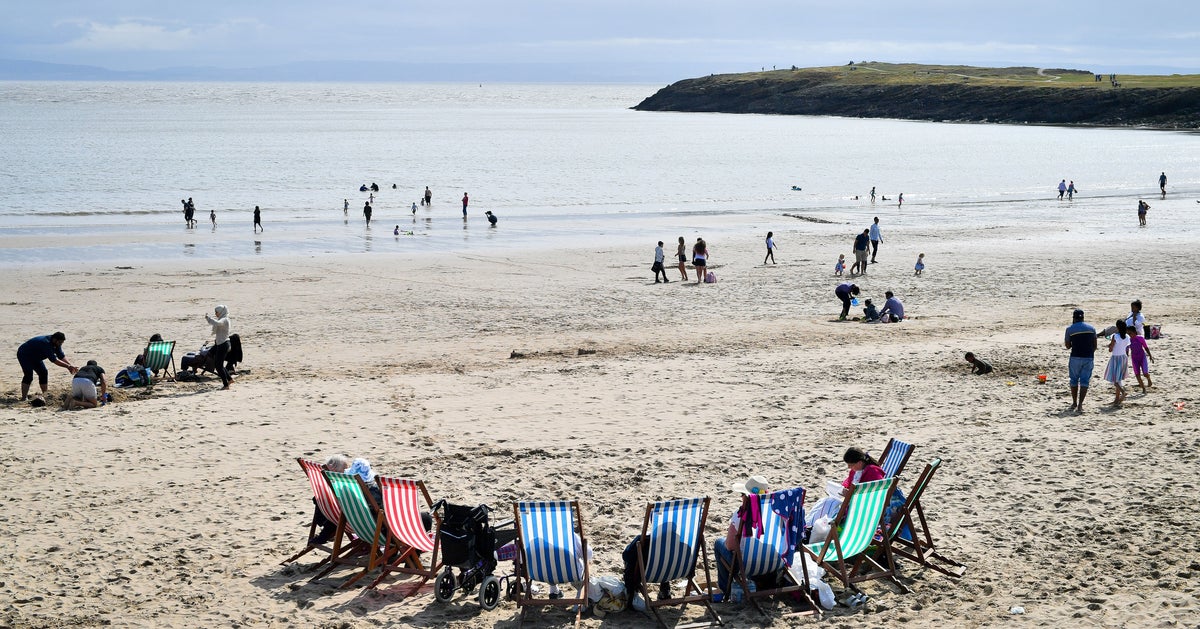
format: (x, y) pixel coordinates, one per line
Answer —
(870, 313)
(920, 265)
(1139, 355)
(841, 264)
(980, 367)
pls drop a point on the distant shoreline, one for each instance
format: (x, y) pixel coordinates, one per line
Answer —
(946, 94)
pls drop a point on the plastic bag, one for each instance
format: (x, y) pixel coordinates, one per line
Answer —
(607, 594)
(820, 530)
(815, 575)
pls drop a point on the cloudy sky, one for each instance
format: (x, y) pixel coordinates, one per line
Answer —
(700, 35)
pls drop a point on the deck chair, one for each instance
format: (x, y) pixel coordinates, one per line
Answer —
(547, 533)
(160, 356)
(912, 541)
(672, 537)
(325, 502)
(402, 499)
(844, 553)
(895, 457)
(362, 518)
(765, 556)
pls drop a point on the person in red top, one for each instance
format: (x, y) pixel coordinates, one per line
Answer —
(465, 205)
(863, 468)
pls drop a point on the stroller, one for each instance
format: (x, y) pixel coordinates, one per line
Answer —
(202, 361)
(471, 544)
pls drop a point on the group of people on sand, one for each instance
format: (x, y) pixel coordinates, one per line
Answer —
(892, 311)
(189, 213)
(861, 467)
(700, 261)
(1126, 347)
(89, 386)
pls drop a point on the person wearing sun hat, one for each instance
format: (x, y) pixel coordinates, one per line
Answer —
(724, 546)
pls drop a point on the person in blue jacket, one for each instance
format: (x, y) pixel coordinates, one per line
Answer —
(32, 355)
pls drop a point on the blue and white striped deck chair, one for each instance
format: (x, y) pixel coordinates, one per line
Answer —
(763, 556)
(672, 539)
(547, 551)
(895, 457)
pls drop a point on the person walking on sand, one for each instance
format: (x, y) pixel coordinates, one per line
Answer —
(700, 259)
(876, 238)
(1071, 191)
(367, 213)
(1118, 362)
(658, 268)
(257, 219)
(1062, 189)
(1140, 357)
(1162, 184)
(920, 265)
(465, 200)
(681, 253)
(861, 243)
(844, 292)
(1142, 208)
(1080, 338)
(770, 248)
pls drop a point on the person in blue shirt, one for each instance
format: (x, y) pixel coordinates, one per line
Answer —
(1080, 338)
(876, 238)
(845, 292)
(893, 310)
(32, 355)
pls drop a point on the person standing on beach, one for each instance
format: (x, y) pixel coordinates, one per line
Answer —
(187, 213)
(1140, 357)
(221, 344)
(872, 194)
(367, 213)
(1142, 207)
(465, 200)
(1080, 338)
(861, 244)
(1162, 184)
(32, 355)
(700, 258)
(770, 248)
(1118, 362)
(1071, 191)
(414, 209)
(1062, 189)
(658, 268)
(428, 196)
(900, 200)
(681, 253)
(346, 207)
(212, 216)
(876, 238)
(844, 293)
(257, 219)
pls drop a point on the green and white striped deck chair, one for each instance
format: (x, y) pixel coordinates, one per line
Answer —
(912, 541)
(672, 539)
(764, 556)
(844, 553)
(160, 356)
(362, 518)
(546, 552)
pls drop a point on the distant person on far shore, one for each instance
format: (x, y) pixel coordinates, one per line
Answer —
(491, 217)
(346, 207)
(978, 366)
(658, 268)
(900, 200)
(840, 266)
(1062, 189)
(414, 209)
(465, 201)
(396, 231)
(681, 253)
(872, 194)
(428, 196)
(1071, 191)
(257, 219)
(1162, 184)
(212, 216)
(920, 265)
(770, 248)
(367, 213)
(1142, 208)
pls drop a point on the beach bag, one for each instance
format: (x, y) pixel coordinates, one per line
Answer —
(132, 377)
(710, 278)
(1154, 332)
(656, 267)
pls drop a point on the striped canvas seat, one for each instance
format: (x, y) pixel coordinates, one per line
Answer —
(895, 457)
(910, 537)
(546, 551)
(402, 502)
(843, 553)
(326, 503)
(159, 356)
(671, 541)
(354, 506)
(766, 554)
(364, 519)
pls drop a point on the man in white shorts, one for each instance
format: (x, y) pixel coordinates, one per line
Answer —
(83, 386)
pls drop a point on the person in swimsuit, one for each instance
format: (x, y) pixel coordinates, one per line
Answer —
(700, 259)
(681, 253)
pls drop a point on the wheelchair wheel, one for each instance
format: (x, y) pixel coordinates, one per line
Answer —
(514, 589)
(489, 593)
(443, 590)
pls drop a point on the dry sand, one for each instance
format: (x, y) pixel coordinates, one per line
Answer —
(174, 506)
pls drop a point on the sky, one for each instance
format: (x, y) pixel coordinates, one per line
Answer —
(696, 37)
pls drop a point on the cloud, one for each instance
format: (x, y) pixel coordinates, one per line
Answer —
(140, 34)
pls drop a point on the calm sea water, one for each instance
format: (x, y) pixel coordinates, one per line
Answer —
(97, 171)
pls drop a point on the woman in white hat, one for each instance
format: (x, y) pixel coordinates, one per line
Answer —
(725, 546)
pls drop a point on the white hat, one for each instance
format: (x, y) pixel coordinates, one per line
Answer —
(752, 485)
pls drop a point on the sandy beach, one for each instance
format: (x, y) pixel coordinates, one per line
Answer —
(173, 506)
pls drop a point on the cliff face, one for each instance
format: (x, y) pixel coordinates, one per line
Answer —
(1165, 108)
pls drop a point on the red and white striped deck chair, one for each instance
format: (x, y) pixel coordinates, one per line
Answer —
(402, 501)
(325, 502)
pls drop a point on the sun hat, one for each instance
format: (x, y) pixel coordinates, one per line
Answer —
(752, 485)
(362, 467)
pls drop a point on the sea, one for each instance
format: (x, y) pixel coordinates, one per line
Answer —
(96, 171)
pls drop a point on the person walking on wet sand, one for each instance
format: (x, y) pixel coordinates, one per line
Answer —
(1162, 184)
(1080, 338)
(345, 207)
(257, 219)
(465, 200)
(1142, 207)
(900, 200)
(1071, 191)
(367, 213)
(1062, 189)
(428, 196)
(212, 216)
(872, 194)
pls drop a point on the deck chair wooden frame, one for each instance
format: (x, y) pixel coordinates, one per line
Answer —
(920, 548)
(659, 560)
(327, 503)
(405, 530)
(845, 553)
(362, 517)
(556, 522)
(756, 557)
(160, 356)
(895, 457)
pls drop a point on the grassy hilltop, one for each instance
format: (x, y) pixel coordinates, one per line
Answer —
(954, 93)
